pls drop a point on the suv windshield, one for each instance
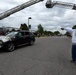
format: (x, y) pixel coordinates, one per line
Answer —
(12, 34)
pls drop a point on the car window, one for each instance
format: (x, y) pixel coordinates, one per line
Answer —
(31, 33)
(20, 34)
(26, 33)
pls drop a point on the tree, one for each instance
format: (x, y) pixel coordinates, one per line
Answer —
(13, 29)
(56, 32)
(74, 27)
(40, 29)
(23, 27)
(45, 32)
(67, 34)
(48, 33)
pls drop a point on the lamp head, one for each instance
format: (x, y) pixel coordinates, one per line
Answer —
(29, 18)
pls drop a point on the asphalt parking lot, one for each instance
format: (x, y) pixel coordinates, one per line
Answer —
(48, 56)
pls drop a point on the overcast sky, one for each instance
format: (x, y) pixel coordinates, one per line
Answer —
(51, 19)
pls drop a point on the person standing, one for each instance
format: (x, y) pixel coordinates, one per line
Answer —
(73, 34)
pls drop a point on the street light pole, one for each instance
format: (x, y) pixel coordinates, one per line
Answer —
(28, 21)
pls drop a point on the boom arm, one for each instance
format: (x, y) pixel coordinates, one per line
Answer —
(18, 8)
(50, 4)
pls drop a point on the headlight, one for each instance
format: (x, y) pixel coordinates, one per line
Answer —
(1, 41)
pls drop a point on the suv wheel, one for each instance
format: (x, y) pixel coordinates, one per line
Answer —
(11, 47)
(31, 42)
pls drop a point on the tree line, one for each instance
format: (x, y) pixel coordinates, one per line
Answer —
(41, 32)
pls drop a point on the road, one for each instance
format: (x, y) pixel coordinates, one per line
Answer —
(48, 56)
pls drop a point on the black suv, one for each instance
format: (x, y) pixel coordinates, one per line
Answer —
(16, 38)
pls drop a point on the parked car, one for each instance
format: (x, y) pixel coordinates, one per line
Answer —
(2, 31)
(16, 38)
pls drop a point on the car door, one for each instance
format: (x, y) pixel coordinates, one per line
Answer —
(27, 37)
(20, 38)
